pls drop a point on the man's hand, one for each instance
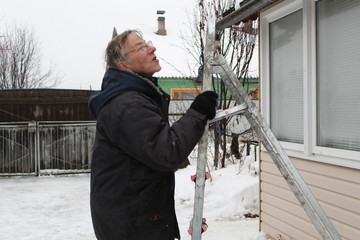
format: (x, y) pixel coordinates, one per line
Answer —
(206, 103)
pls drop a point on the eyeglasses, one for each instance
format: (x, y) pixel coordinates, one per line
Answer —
(144, 46)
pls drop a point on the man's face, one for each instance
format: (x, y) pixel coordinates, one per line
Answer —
(139, 61)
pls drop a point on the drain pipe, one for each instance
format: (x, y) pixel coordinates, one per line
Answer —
(245, 11)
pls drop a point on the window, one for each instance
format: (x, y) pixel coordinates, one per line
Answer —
(184, 93)
(310, 76)
(286, 78)
(338, 74)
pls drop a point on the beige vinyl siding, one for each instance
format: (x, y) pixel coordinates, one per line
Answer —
(336, 188)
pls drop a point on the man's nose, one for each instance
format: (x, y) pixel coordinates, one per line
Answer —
(151, 49)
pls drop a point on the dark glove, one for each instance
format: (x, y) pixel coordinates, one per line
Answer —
(205, 103)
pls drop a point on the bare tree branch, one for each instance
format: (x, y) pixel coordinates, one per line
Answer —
(20, 61)
(236, 45)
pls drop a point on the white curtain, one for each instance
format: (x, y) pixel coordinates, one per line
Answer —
(338, 74)
(286, 78)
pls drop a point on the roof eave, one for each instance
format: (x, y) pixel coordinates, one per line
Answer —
(245, 11)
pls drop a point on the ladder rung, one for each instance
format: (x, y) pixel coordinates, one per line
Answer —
(220, 114)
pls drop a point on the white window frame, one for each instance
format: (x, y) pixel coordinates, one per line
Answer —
(308, 150)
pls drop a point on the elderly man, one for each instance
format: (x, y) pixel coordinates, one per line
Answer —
(136, 151)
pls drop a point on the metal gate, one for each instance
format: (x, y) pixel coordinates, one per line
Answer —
(35, 148)
(17, 149)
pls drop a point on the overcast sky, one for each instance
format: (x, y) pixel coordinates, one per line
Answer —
(74, 33)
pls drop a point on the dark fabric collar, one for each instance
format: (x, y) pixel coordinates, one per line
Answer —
(118, 81)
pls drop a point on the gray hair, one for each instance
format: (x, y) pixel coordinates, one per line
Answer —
(114, 53)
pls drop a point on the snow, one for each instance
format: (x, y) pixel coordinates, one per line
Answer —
(57, 207)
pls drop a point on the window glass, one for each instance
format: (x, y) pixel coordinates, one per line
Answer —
(286, 78)
(189, 95)
(176, 95)
(338, 74)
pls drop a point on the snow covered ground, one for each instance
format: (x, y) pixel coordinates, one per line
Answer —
(57, 207)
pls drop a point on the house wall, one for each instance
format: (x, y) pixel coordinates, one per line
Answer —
(332, 173)
(336, 188)
(169, 84)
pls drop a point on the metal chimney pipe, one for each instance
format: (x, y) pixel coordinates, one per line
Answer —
(161, 24)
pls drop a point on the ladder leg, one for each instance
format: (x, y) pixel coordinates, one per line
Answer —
(203, 143)
(199, 188)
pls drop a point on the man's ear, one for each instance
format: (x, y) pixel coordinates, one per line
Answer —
(122, 65)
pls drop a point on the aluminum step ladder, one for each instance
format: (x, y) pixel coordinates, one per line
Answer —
(218, 65)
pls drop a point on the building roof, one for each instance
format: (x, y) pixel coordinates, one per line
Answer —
(18, 105)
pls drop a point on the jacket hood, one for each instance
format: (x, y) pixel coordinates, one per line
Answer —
(118, 81)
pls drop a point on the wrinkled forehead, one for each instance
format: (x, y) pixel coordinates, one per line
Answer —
(133, 40)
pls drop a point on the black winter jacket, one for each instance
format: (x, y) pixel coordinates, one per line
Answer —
(135, 154)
